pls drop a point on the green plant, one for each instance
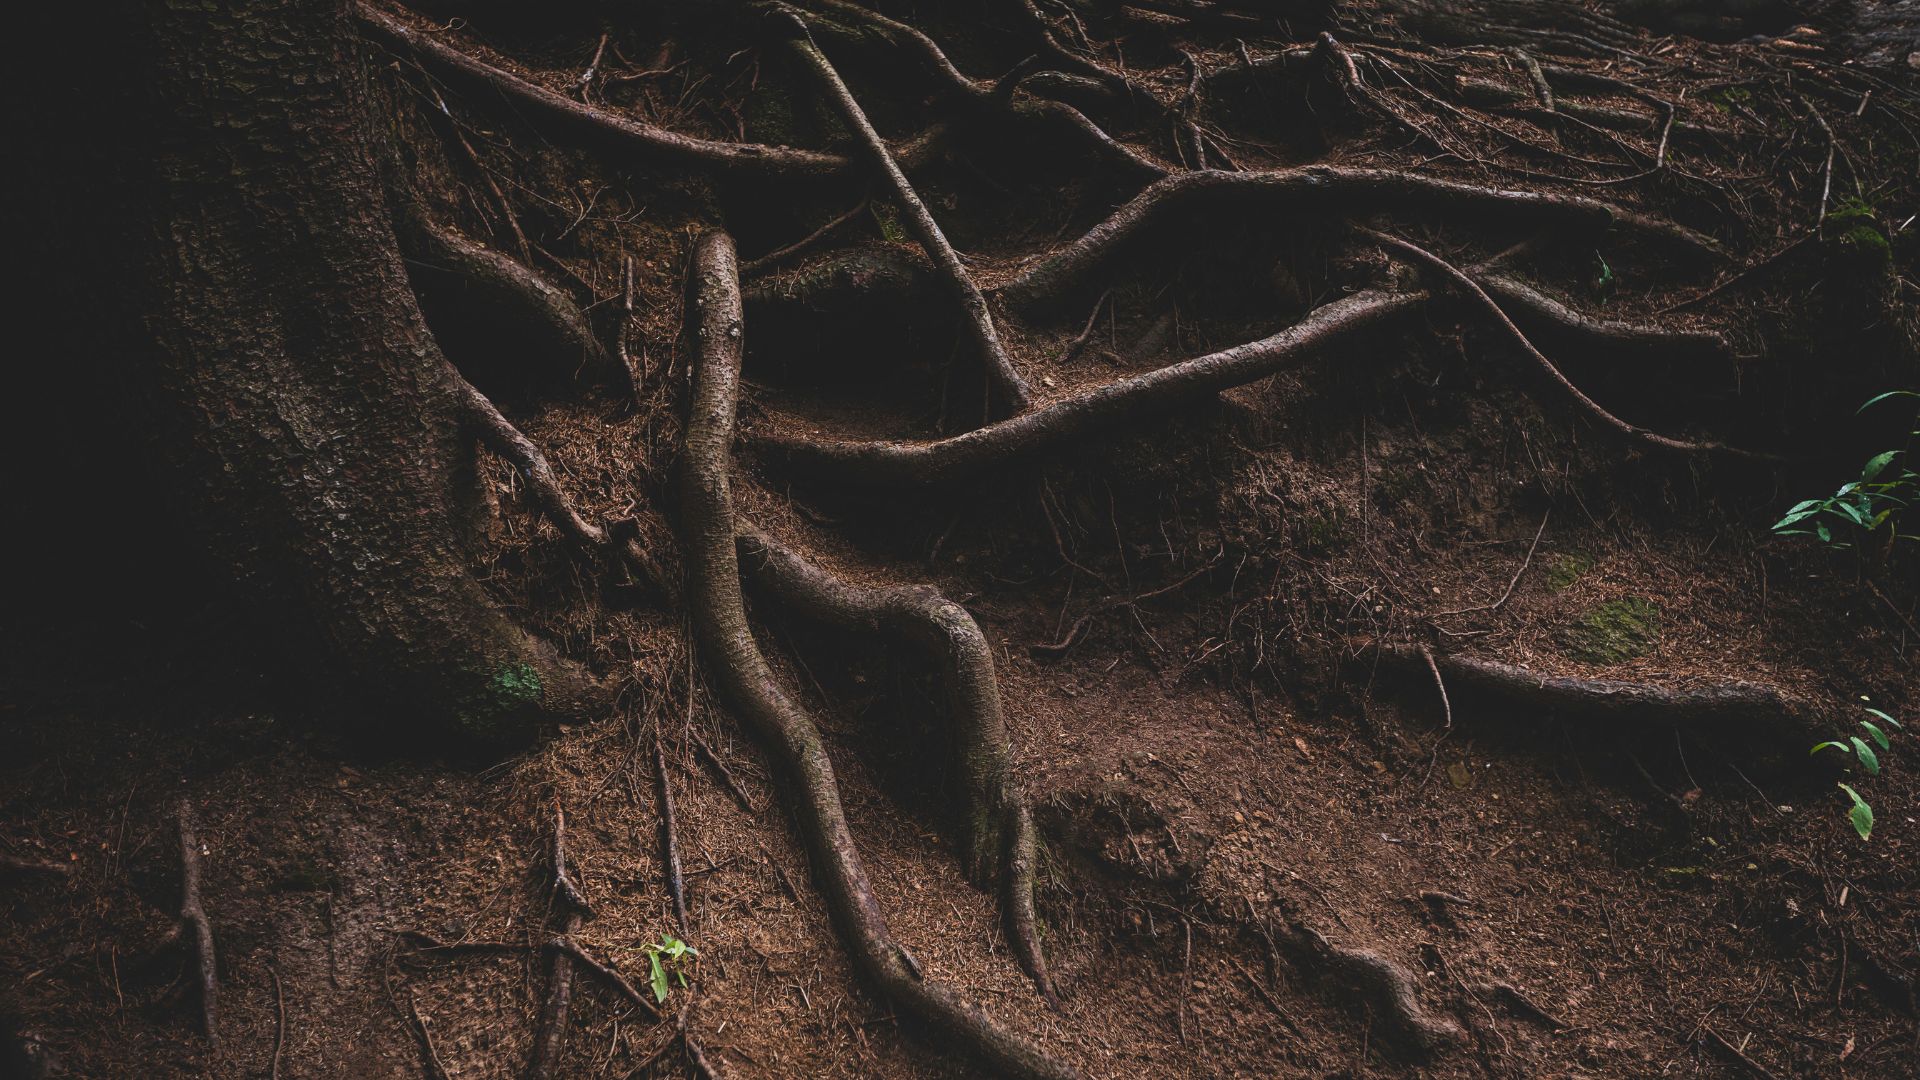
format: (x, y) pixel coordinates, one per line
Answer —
(669, 957)
(1867, 508)
(1860, 813)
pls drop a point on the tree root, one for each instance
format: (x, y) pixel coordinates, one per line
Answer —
(748, 686)
(496, 281)
(1009, 389)
(192, 928)
(993, 100)
(999, 839)
(670, 842)
(1595, 409)
(911, 464)
(1388, 990)
(1333, 187)
(1725, 702)
(1538, 308)
(499, 435)
(550, 1039)
(617, 133)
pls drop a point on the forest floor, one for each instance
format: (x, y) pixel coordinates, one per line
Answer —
(1234, 788)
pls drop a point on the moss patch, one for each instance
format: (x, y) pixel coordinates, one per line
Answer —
(1566, 568)
(1615, 631)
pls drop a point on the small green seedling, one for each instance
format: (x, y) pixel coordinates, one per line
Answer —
(1862, 751)
(1869, 507)
(670, 957)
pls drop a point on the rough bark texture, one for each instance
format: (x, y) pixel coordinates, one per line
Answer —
(273, 347)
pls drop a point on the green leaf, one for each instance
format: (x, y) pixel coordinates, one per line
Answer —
(1842, 747)
(1876, 463)
(1861, 815)
(1885, 717)
(1825, 534)
(1879, 736)
(1877, 399)
(1865, 753)
(659, 978)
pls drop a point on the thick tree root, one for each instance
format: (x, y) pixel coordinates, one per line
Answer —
(1047, 429)
(1009, 389)
(1725, 702)
(620, 134)
(1313, 187)
(192, 929)
(498, 282)
(998, 840)
(748, 686)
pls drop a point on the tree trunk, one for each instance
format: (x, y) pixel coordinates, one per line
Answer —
(270, 347)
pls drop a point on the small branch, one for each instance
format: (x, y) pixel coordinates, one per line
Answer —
(1473, 289)
(1008, 386)
(435, 1068)
(279, 1023)
(670, 841)
(779, 255)
(1517, 575)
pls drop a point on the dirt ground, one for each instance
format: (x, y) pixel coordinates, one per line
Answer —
(1237, 794)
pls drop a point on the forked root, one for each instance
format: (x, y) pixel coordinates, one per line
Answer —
(495, 281)
(192, 928)
(748, 686)
(998, 839)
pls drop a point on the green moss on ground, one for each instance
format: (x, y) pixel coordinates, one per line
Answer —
(1614, 632)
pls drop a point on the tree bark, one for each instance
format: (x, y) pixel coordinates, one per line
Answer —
(266, 341)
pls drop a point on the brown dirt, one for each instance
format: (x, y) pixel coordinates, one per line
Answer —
(1221, 772)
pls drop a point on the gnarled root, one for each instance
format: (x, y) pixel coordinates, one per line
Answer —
(904, 464)
(191, 927)
(998, 840)
(747, 685)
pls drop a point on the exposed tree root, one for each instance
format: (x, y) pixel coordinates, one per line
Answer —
(1595, 409)
(1009, 389)
(499, 435)
(550, 1040)
(1333, 187)
(620, 134)
(991, 100)
(1533, 306)
(670, 842)
(748, 686)
(14, 866)
(1726, 702)
(998, 840)
(1388, 990)
(772, 259)
(1047, 429)
(192, 928)
(496, 281)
